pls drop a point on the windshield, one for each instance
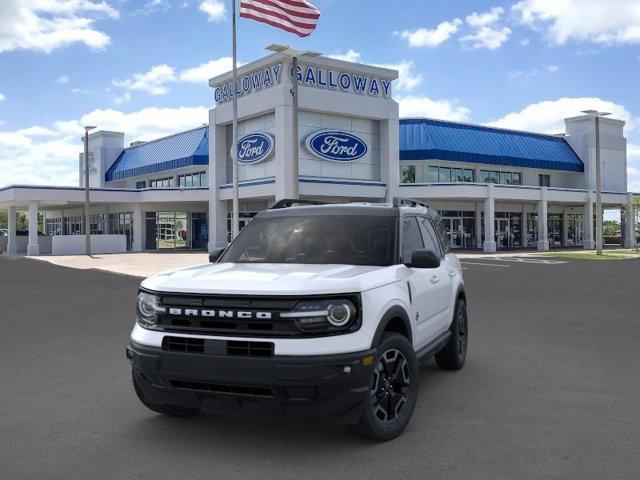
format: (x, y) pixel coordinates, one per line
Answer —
(318, 239)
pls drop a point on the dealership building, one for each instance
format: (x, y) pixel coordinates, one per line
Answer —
(495, 189)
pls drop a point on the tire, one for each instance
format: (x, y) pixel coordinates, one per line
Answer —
(169, 410)
(454, 353)
(393, 390)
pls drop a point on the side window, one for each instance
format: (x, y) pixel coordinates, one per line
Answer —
(411, 238)
(441, 234)
(430, 238)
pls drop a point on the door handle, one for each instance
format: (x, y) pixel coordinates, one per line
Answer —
(435, 279)
(452, 273)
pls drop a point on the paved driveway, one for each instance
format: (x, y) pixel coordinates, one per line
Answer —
(550, 390)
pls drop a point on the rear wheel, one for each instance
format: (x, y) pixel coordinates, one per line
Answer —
(454, 353)
(393, 392)
(170, 410)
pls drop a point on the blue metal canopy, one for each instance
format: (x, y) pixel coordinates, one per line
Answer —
(183, 149)
(427, 139)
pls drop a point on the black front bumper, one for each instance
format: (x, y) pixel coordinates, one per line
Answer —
(301, 386)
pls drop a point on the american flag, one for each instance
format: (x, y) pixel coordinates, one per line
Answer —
(294, 16)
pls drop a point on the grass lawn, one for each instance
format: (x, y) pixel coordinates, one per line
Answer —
(618, 254)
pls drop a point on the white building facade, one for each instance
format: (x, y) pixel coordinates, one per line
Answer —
(496, 189)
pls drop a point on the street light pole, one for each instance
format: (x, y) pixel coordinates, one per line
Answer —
(599, 237)
(87, 217)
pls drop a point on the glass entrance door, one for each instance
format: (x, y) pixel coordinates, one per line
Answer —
(456, 234)
(503, 233)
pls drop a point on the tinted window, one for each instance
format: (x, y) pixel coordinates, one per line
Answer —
(441, 233)
(321, 239)
(430, 238)
(411, 238)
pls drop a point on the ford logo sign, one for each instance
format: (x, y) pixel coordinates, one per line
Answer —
(255, 147)
(336, 146)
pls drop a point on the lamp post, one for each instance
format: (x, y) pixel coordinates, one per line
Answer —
(596, 114)
(295, 146)
(87, 217)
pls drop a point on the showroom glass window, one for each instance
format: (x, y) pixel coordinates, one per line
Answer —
(408, 174)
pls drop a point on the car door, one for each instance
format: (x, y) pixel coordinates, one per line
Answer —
(440, 278)
(420, 282)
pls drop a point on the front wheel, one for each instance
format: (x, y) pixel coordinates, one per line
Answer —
(393, 392)
(454, 353)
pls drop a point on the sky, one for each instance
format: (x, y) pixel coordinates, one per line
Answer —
(141, 66)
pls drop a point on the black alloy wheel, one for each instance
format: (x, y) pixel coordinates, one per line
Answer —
(390, 388)
(393, 391)
(454, 353)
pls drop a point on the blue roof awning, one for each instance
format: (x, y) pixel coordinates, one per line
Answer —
(183, 149)
(427, 139)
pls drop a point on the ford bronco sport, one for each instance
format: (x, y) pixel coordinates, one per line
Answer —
(313, 310)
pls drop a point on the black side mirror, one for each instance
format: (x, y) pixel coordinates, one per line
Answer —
(424, 259)
(215, 255)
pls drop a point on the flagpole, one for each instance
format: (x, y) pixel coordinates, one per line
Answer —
(234, 148)
(294, 130)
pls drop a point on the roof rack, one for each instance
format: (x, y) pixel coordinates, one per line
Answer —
(294, 202)
(408, 202)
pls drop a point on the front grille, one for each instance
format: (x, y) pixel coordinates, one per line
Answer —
(223, 389)
(250, 349)
(217, 324)
(183, 344)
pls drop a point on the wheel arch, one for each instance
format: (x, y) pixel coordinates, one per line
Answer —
(395, 319)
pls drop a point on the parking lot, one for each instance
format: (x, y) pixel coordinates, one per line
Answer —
(550, 389)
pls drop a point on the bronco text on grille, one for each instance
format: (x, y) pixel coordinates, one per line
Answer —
(232, 315)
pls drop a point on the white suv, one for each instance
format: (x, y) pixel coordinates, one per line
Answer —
(314, 310)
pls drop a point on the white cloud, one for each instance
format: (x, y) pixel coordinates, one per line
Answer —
(63, 79)
(154, 81)
(407, 78)
(420, 106)
(120, 99)
(48, 155)
(349, 56)
(2, 96)
(424, 37)
(214, 9)
(45, 25)
(595, 21)
(486, 18)
(203, 72)
(548, 116)
(525, 42)
(526, 75)
(487, 37)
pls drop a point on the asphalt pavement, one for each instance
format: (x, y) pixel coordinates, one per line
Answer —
(551, 389)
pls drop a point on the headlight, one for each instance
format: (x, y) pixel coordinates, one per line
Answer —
(147, 310)
(324, 316)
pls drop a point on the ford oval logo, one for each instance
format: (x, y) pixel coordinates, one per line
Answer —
(336, 146)
(255, 148)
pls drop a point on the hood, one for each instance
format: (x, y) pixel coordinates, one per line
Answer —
(271, 279)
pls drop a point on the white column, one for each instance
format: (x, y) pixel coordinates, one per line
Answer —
(629, 224)
(218, 209)
(489, 245)
(12, 246)
(543, 240)
(284, 156)
(478, 225)
(138, 221)
(390, 154)
(589, 242)
(32, 246)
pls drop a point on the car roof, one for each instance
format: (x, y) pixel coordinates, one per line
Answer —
(360, 209)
